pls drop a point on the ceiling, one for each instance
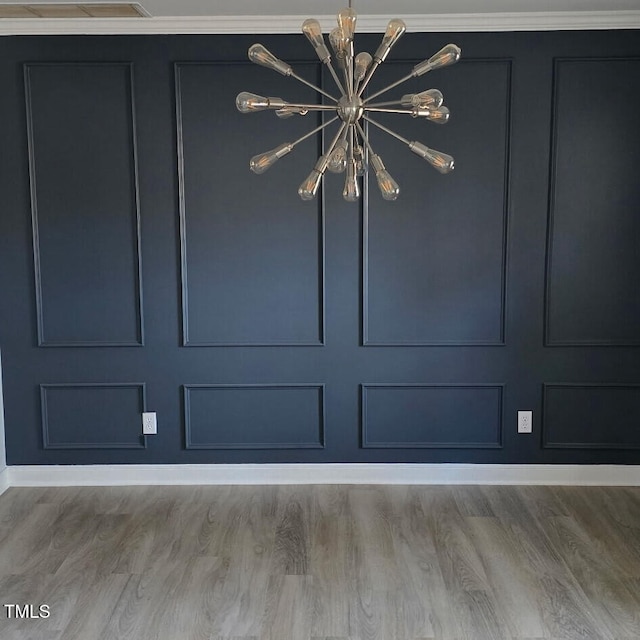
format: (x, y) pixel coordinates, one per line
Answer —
(407, 7)
(285, 16)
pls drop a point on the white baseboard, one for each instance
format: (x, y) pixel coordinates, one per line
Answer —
(264, 474)
(4, 481)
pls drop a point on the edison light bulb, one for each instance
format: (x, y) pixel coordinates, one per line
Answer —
(248, 102)
(362, 63)
(339, 46)
(388, 186)
(309, 188)
(440, 116)
(261, 162)
(338, 158)
(338, 41)
(429, 98)
(443, 162)
(312, 29)
(347, 22)
(262, 56)
(395, 29)
(351, 191)
(448, 55)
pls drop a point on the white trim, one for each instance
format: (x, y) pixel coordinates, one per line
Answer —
(4, 481)
(263, 474)
(459, 22)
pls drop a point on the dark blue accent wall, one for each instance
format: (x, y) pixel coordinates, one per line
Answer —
(143, 267)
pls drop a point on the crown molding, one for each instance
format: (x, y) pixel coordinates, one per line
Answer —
(459, 22)
(327, 473)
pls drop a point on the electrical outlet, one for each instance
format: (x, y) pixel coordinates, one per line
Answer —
(525, 421)
(149, 424)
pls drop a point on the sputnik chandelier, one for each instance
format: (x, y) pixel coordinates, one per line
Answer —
(350, 150)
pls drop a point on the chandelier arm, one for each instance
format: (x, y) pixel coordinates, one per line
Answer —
(347, 85)
(360, 138)
(390, 103)
(388, 110)
(350, 131)
(313, 86)
(365, 139)
(334, 142)
(336, 79)
(349, 72)
(393, 85)
(309, 107)
(372, 69)
(386, 130)
(313, 132)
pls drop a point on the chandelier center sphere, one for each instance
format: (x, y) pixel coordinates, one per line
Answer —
(350, 110)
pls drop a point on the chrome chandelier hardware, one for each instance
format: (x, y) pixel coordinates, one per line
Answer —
(350, 150)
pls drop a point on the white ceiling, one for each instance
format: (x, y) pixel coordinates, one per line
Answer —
(183, 8)
(285, 16)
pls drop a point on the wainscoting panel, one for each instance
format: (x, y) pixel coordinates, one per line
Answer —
(93, 416)
(594, 230)
(435, 266)
(397, 416)
(282, 416)
(252, 252)
(84, 201)
(591, 416)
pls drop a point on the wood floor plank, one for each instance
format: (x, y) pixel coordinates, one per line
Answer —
(328, 564)
(512, 582)
(427, 610)
(567, 610)
(322, 563)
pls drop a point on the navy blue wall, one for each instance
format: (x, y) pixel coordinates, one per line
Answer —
(144, 267)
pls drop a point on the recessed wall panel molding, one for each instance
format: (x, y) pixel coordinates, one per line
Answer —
(593, 229)
(252, 251)
(434, 261)
(85, 206)
(431, 416)
(93, 415)
(254, 416)
(591, 416)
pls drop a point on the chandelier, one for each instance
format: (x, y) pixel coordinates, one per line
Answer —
(350, 150)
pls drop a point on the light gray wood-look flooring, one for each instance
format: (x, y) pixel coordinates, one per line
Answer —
(322, 563)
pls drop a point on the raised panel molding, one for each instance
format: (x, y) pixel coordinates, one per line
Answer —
(138, 442)
(493, 418)
(586, 413)
(369, 187)
(600, 178)
(187, 339)
(42, 339)
(318, 411)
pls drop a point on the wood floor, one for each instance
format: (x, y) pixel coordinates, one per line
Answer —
(321, 562)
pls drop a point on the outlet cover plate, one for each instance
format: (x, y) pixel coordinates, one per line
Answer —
(525, 421)
(149, 424)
